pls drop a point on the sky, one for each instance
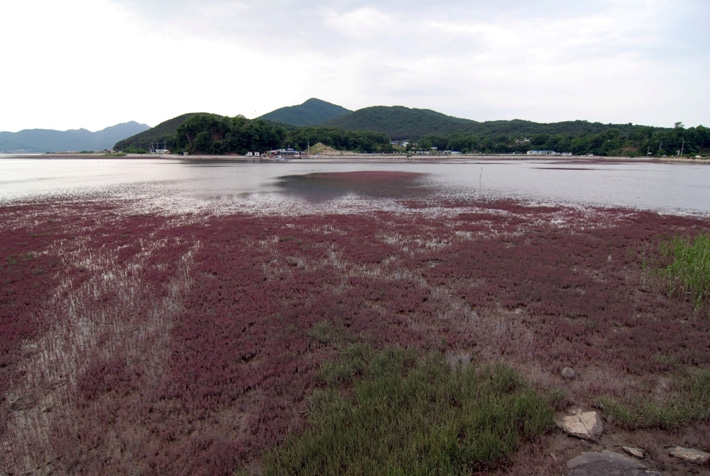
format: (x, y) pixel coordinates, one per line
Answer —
(95, 63)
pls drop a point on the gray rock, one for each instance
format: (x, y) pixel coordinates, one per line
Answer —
(690, 454)
(607, 463)
(586, 425)
(568, 373)
(605, 456)
(635, 452)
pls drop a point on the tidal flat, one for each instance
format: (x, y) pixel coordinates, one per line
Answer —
(192, 343)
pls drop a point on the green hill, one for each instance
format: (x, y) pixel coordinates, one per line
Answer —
(371, 129)
(310, 113)
(520, 128)
(162, 134)
(400, 122)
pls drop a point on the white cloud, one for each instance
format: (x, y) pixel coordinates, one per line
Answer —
(363, 23)
(93, 63)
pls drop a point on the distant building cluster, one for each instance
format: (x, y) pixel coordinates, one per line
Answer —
(283, 153)
(548, 152)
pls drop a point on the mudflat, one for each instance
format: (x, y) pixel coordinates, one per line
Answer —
(191, 343)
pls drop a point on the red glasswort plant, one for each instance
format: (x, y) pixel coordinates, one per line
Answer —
(134, 343)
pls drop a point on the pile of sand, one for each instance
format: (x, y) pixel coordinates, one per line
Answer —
(321, 148)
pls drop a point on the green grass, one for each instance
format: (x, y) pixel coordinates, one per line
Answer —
(688, 274)
(689, 402)
(392, 413)
(323, 332)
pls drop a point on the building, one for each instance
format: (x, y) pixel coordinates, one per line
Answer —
(542, 152)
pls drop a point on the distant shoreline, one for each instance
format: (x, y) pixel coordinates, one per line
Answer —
(387, 158)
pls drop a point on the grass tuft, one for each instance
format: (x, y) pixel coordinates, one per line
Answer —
(389, 412)
(323, 331)
(688, 274)
(690, 402)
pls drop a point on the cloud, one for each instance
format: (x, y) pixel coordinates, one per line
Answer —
(366, 24)
(641, 61)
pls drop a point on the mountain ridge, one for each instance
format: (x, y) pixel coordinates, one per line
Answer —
(312, 112)
(399, 122)
(403, 123)
(50, 140)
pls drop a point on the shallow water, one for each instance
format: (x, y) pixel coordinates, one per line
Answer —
(669, 188)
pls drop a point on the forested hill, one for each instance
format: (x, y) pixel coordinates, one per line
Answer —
(396, 122)
(48, 140)
(158, 136)
(400, 122)
(373, 128)
(310, 113)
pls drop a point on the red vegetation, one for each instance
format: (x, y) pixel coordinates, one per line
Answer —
(195, 345)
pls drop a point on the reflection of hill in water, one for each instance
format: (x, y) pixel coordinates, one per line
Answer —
(319, 187)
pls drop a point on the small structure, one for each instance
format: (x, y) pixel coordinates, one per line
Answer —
(283, 154)
(156, 148)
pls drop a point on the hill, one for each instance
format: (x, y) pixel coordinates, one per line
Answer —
(310, 113)
(520, 128)
(400, 122)
(48, 140)
(373, 128)
(162, 134)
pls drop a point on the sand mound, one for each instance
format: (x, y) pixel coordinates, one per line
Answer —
(321, 148)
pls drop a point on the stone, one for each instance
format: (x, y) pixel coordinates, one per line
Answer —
(607, 463)
(568, 373)
(635, 452)
(691, 455)
(586, 425)
(605, 456)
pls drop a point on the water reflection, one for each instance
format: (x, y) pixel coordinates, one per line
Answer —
(325, 186)
(211, 184)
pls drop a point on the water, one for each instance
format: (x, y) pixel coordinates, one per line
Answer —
(668, 188)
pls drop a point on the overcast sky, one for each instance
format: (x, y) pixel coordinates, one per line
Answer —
(95, 63)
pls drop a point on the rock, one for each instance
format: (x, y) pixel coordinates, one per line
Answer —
(605, 456)
(568, 373)
(586, 425)
(607, 463)
(691, 455)
(636, 452)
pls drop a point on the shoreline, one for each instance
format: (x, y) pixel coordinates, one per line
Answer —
(374, 158)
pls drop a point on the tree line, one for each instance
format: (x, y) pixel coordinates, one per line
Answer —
(217, 135)
(212, 134)
(634, 142)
